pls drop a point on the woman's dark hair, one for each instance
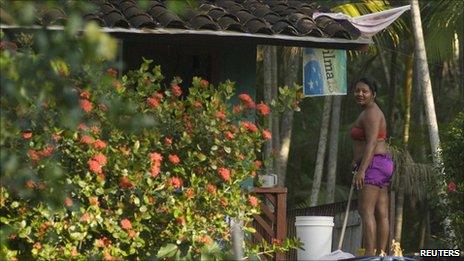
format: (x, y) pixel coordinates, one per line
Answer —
(371, 84)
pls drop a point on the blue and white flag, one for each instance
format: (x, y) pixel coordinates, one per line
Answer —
(324, 72)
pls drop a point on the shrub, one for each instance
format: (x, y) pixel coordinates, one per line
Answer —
(453, 153)
(147, 172)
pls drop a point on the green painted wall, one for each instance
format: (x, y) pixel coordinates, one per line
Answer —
(238, 64)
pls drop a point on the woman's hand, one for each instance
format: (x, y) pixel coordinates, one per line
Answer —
(359, 179)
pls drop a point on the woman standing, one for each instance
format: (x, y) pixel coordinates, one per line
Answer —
(373, 167)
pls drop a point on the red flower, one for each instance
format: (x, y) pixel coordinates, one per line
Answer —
(95, 129)
(229, 135)
(223, 202)
(94, 201)
(174, 159)
(85, 95)
(253, 201)
(26, 135)
(159, 96)
(197, 104)
(85, 217)
(204, 83)
(95, 166)
(263, 109)
(47, 151)
(112, 72)
(251, 127)
(99, 144)
(258, 164)
(30, 184)
(267, 135)
(86, 105)
(132, 233)
(247, 100)
(86, 139)
(181, 220)
(126, 224)
(175, 182)
(221, 115)
(155, 170)
(168, 141)
(211, 189)
(82, 127)
(176, 90)
(100, 158)
(118, 85)
(125, 183)
(68, 202)
(153, 102)
(189, 193)
(34, 155)
(102, 242)
(237, 109)
(224, 173)
(451, 186)
(156, 157)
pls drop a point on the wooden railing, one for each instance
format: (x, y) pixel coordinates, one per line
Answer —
(271, 224)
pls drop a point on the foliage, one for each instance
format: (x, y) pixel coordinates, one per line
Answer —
(453, 190)
(99, 167)
(163, 185)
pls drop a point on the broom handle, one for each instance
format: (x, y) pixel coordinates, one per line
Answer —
(340, 241)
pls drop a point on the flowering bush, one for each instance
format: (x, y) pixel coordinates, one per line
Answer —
(453, 153)
(147, 172)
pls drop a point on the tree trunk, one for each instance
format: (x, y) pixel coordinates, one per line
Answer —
(424, 79)
(399, 212)
(275, 117)
(383, 61)
(333, 149)
(407, 99)
(391, 121)
(267, 93)
(321, 151)
(292, 62)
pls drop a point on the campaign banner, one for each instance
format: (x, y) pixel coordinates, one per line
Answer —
(324, 72)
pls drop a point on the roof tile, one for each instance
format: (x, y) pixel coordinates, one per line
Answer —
(272, 17)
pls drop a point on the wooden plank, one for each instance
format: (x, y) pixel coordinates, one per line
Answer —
(281, 221)
(276, 190)
(264, 225)
(267, 212)
(271, 198)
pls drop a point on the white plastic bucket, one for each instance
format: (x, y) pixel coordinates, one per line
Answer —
(316, 234)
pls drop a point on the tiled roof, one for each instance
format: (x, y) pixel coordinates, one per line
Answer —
(268, 17)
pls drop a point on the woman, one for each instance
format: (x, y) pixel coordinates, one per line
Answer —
(373, 167)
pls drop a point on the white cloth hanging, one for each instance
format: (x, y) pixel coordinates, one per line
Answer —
(369, 24)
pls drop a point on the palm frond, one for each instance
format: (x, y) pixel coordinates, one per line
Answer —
(414, 178)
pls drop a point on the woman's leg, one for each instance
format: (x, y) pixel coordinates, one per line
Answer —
(367, 202)
(381, 214)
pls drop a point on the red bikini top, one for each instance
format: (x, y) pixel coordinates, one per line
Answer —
(358, 134)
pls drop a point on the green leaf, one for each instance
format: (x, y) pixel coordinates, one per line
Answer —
(168, 250)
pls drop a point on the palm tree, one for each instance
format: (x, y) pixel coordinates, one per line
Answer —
(333, 148)
(321, 149)
(424, 79)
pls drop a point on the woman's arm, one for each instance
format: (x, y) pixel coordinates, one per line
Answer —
(371, 125)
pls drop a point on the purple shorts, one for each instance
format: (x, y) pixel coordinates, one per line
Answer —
(379, 171)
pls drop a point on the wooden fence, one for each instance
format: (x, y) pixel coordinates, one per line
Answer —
(271, 224)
